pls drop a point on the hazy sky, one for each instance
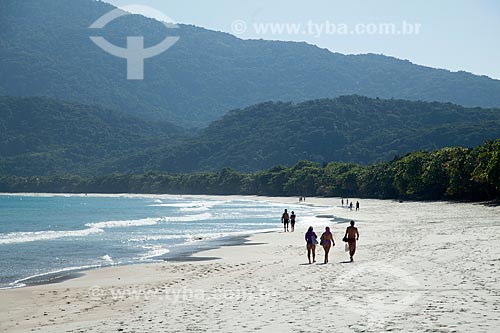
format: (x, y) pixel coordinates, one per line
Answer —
(451, 34)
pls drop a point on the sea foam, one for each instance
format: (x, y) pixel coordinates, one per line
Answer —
(149, 221)
(94, 228)
(32, 236)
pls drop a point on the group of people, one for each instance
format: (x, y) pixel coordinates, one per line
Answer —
(350, 205)
(287, 220)
(326, 240)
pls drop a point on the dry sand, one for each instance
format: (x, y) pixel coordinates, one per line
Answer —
(420, 267)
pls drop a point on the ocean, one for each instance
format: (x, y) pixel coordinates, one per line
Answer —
(46, 236)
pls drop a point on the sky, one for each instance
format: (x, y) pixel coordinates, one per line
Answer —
(450, 34)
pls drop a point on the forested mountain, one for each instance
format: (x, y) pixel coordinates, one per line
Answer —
(345, 129)
(45, 50)
(44, 136)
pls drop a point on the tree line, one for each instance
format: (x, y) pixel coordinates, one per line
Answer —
(445, 174)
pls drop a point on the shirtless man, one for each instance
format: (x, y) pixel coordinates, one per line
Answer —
(352, 235)
(285, 219)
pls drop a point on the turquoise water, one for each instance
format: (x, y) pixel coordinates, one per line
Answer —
(44, 234)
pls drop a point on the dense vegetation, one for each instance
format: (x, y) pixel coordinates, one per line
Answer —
(41, 136)
(44, 136)
(45, 50)
(346, 129)
(449, 173)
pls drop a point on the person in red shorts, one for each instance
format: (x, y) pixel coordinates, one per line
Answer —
(285, 219)
(351, 237)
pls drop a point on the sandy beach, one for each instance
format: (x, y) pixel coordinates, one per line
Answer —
(420, 267)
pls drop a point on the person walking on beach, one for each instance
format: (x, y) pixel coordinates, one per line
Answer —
(327, 242)
(342, 202)
(311, 241)
(351, 237)
(292, 221)
(285, 219)
(357, 205)
(350, 206)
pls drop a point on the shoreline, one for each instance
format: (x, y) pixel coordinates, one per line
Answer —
(188, 255)
(415, 270)
(70, 273)
(61, 276)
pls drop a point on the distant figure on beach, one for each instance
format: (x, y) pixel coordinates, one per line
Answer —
(311, 241)
(327, 242)
(342, 202)
(292, 221)
(285, 219)
(350, 206)
(347, 202)
(351, 237)
(300, 199)
(357, 205)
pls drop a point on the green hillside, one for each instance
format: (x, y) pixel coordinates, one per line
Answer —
(45, 136)
(346, 129)
(42, 136)
(45, 50)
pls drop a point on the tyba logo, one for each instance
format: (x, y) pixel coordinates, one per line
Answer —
(135, 53)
